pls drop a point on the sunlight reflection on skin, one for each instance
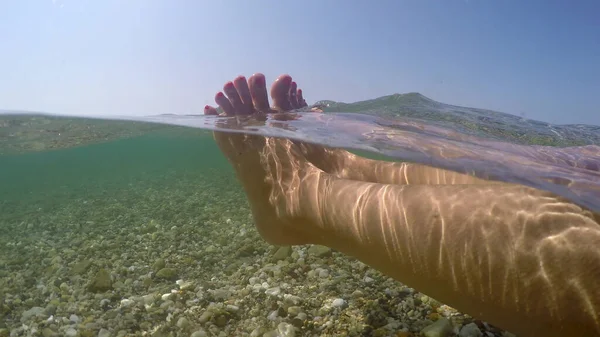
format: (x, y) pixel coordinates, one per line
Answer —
(490, 252)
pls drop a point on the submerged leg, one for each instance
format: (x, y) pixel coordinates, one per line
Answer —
(520, 258)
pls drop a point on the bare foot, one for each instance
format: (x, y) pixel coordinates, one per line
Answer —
(273, 171)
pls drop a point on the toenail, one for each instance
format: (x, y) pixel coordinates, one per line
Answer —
(259, 80)
(206, 107)
(228, 85)
(220, 94)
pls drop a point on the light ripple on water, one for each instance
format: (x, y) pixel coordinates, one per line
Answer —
(573, 172)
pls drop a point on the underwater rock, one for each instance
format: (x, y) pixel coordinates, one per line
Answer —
(167, 274)
(81, 267)
(33, 312)
(101, 282)
(47, 332)
(221, 320)
(282, 253)
(440, 328)
(286, 330)
(319, 251)
(245, 250)
(158, 265)
(183, 323)
(470, 330)
(199, 333)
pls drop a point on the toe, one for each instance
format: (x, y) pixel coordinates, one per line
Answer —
(234, 98)
(258, 92)
(225, 104)
(241, 85)
(280, 93)
(209, 110)
(300, 98)
(293, 95)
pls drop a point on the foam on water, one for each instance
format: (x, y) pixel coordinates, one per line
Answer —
(572, 172)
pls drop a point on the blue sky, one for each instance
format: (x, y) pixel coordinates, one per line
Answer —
(540, 59)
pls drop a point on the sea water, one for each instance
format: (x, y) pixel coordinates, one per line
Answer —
(137, 226)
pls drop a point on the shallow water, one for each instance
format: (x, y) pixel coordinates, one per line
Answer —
(83, 195)
(572, 172)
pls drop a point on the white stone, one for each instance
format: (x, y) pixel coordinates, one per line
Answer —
(273, 291)
(338, 303)
(290, 300)
(126, 302)
(286, 330)
(232, 308)
(74, 319)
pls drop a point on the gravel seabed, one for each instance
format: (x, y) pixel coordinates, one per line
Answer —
(181, 257)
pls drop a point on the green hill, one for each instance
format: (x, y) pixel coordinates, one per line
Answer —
(480, 122)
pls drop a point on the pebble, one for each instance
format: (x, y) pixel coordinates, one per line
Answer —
(286, 330)
(70, 332)
(199, 333)
(319, 251)
(103, 333)
(282, 253)
(167, 274)
(126, 302)
(183, 323)
(74, 319)
(232, 308)
(33, 312)
(440, 328)
(338, 303)
(205, 317)
(290, 300)
(294, 310)
(273, 291)
(185, 285)
(470, 330)
(46, 332)
(148, 299)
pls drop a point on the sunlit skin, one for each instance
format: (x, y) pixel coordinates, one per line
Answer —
(520, 258)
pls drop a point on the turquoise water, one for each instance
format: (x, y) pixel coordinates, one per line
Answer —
(144, 230)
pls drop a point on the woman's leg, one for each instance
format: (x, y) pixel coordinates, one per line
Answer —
(522, 259)
(519, 258)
